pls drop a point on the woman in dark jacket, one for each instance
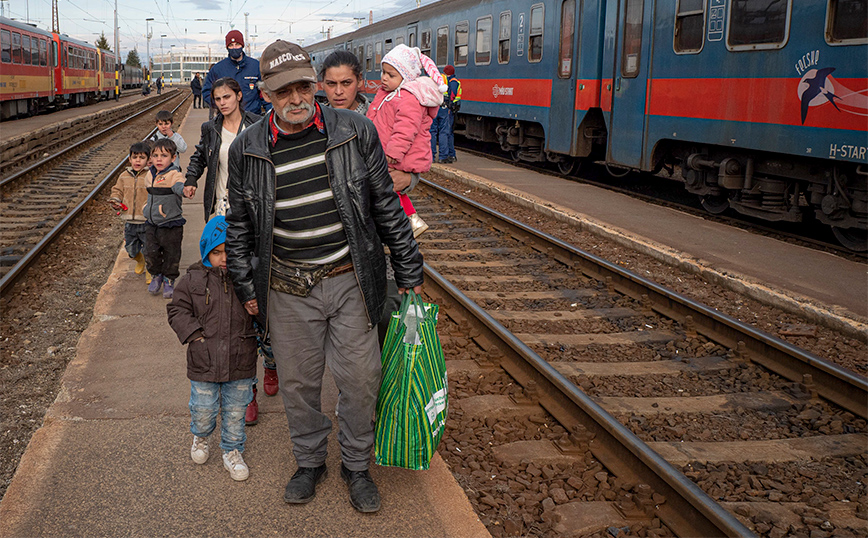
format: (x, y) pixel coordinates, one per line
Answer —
(212, 151)
(196, 87)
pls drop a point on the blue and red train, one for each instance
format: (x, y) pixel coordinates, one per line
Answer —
(761, 104)
(41, 70)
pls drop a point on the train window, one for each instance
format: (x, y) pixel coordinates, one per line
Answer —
(689, 26)
(25, 49)
(43, 52)
(360, 54)
(425, 43)
(632, 47)
(411, 37)
(16, 48)
(53, 54)
(565, 48)
(535, 37)
(442, 45)
(504, 36)
(5, 46)
(758, 24)
(400, 40)
(369, 58)
(388, 45)
(483, 41)
(846, 22)
(34, 51)
(462, 29)
(378, 54)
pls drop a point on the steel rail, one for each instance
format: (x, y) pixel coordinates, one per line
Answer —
(25, 261)
(34, 166)
(687, 510)
(831, 381)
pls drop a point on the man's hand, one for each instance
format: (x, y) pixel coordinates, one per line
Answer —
(252, 307)
(417, 290)
(400, 179)
(189, 191)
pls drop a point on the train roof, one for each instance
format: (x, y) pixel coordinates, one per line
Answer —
(405, 19)
(74, 41)
(24, 26)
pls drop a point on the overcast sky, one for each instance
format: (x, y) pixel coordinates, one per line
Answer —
(294, 20)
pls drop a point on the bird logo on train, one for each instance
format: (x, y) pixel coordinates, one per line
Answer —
(818, 87)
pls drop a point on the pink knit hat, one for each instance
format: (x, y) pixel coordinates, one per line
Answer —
(409, 62)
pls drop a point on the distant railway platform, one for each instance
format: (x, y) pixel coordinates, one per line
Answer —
(112, 457)
(763, 263)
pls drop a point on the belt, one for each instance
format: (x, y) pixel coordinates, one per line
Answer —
(339, 270)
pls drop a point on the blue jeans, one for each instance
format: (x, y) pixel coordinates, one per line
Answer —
(450, 134)
(134, 238)
(207, 399)
(441, 130)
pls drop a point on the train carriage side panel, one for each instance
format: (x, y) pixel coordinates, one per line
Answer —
(25, 71)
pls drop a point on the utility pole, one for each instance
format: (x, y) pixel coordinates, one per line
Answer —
(55, 20)
(117, 56)
(246, 33)
(148, 53)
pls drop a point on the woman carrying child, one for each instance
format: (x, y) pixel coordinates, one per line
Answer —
(402, 112)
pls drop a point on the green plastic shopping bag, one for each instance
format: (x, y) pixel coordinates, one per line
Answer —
(412, 404)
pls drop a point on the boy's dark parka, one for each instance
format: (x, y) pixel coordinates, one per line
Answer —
(204, 304)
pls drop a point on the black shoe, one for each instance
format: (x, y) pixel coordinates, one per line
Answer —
(301, 488)
(443, 161)
(453, 159)
(364, 495)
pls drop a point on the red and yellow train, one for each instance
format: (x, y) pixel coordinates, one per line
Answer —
(40, 70)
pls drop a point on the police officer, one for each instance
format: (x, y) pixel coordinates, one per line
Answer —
(244, 69)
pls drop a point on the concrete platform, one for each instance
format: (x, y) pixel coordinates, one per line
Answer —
(112, 458)
(808, 277)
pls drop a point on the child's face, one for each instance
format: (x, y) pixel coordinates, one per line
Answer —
(138, 161)
(161, 159)
(390, 78)
(165, 127)
(217, 256)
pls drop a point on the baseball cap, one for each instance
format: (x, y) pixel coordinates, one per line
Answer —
(283, 63)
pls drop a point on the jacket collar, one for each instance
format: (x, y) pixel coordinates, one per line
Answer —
(338, 129)
(155, 172)
(137, 174)
(317, 120)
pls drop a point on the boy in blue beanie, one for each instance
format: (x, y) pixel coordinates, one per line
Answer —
(221, 350)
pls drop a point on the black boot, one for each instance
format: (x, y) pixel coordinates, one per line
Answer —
(364, 495)
(301, 488)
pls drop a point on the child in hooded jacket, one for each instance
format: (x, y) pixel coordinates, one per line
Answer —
(207, 316)
(402, 111)
(128, 197)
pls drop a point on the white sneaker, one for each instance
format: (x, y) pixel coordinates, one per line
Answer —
(234, 463)
(199, 450)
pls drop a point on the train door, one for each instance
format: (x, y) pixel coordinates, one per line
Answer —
(562, 121)
(632, 61)
(412, 32)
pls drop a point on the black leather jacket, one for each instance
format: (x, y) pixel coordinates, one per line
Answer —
(368, 208)
(207, 155)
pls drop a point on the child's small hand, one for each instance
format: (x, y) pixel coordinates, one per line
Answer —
(116, 206)
(391, 160)
(189, 191)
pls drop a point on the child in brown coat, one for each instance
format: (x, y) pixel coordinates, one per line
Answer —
(221, 350)
(128, 198)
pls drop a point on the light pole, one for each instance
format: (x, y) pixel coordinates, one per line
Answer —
(171, 66)
(148, 53)
(162, 56)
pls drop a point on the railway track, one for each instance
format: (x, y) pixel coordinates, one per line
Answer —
(37, 202)
(733, 430)
(682, 201)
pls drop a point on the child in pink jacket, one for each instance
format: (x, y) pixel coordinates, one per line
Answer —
(402, 112)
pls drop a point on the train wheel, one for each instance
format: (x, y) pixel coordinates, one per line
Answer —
(515, 156)
(617, 171)
(852, 238)
(714, 204)
(569, 166)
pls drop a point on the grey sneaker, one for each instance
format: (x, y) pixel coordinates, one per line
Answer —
(199, 450)
(169, 288)
(234, 463)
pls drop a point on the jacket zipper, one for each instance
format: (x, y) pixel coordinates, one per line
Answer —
(355, 273)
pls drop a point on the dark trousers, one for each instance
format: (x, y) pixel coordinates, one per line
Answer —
(163, 250)
(441, 128)
(197, 98)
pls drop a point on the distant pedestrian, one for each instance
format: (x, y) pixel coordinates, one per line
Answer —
(242, 68)
(146, 88)
(128, 197)
(196, 87)
(207, 316)
(403, 118)
(159, 85)
(164, 121)
(164, 229)
(442, 130)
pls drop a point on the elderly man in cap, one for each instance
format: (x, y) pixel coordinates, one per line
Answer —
(312, 205)
(244, 69)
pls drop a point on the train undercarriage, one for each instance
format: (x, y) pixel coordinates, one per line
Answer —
(762, 185)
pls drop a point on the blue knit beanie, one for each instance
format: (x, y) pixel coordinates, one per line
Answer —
(213, 236)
